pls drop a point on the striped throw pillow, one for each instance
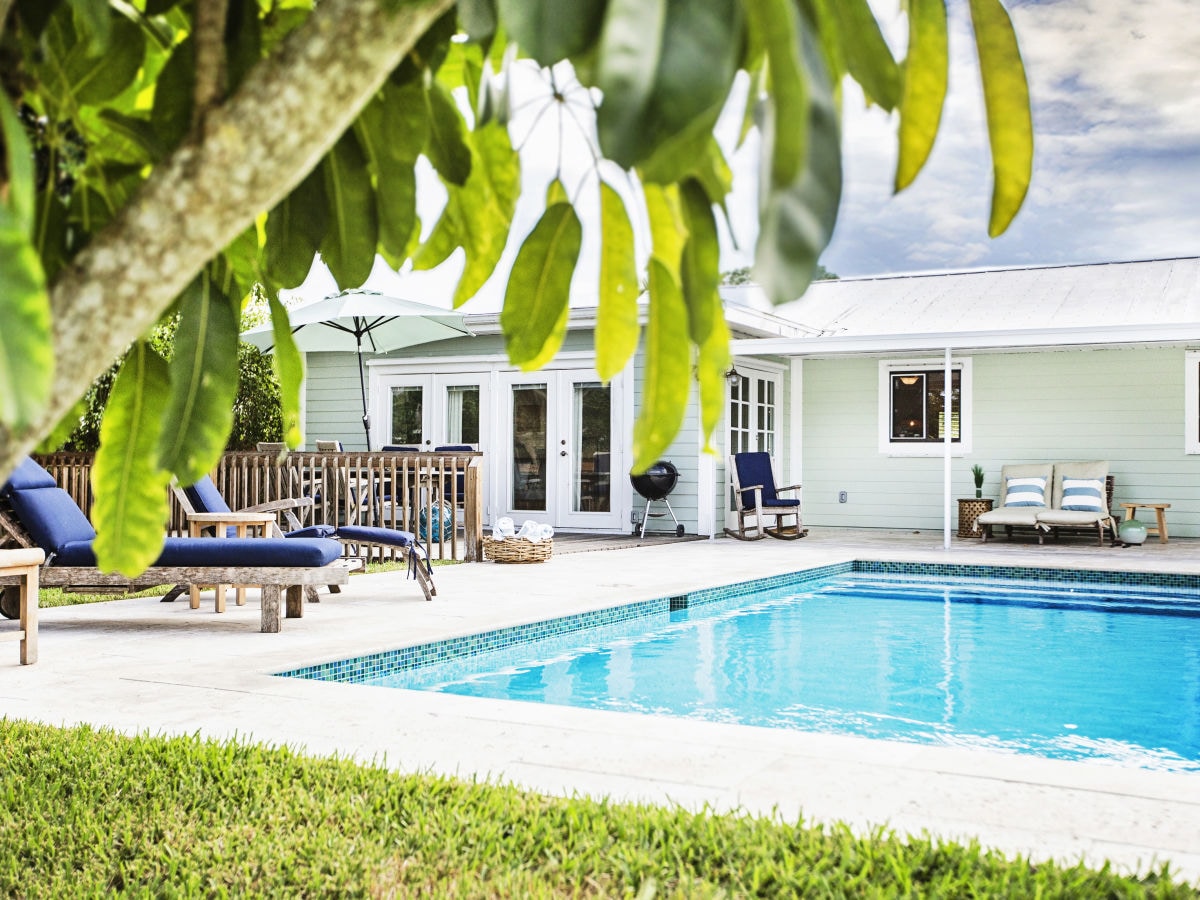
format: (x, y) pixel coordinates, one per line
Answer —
(1029, 491)
(1083, 494)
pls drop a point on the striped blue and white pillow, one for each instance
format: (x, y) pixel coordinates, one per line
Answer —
(1083, 494)
(1029, 491)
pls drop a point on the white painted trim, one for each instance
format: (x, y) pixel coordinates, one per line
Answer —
(1191, 401)
(567, 359)
(795, 413)
(928, 448)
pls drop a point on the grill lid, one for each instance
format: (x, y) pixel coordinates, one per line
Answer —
(657, 481)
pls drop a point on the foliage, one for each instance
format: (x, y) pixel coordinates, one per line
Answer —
(90, 812)
(745, 275)
(125, 121)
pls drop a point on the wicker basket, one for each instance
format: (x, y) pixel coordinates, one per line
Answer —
(517, 550)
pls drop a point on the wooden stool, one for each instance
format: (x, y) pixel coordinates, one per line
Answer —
(243, 523)
(20, 568)
(1160, 513)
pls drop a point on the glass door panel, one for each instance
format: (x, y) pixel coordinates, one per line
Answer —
(462, 414)
(407, 423)
(529, 428)
(590, 469)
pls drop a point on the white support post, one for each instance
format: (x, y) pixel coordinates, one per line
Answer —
(947, 434)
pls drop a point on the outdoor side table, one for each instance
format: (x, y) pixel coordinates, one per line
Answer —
(1160, 512)
(20, 568)
(969, 510)
(220, 522)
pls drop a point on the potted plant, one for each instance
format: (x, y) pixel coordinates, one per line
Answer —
(977, 474)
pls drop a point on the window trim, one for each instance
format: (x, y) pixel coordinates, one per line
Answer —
(1191, 402)
(887, 446)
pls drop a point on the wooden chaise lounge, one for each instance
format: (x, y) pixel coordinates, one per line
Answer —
(35, 512)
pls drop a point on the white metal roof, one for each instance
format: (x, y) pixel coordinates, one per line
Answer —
(1155, 301)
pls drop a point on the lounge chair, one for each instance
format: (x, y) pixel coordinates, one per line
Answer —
(36, 512)
(203, 499)
(755, 494)
(1049, 497)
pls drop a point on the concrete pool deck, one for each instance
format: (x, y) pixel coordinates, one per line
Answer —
(143, 666)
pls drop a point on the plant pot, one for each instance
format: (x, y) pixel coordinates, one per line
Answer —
(1131, 532)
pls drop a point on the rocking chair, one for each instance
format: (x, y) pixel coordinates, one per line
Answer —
(755, 494)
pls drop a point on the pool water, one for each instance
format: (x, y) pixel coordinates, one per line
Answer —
(1075, 671)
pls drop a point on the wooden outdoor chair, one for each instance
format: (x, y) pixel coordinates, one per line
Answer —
(756, 495)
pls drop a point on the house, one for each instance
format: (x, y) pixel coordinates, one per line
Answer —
(843, 386)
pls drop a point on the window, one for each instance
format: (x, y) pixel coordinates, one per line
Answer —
(462, 414)
(912, 407)
(1191, 402)
(407, 403)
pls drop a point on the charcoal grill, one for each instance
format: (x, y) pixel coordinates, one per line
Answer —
(654, 485)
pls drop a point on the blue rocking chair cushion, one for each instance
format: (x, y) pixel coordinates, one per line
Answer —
(755, 468)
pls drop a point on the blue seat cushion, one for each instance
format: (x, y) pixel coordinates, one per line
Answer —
(223, 552)
(780, 503)
(368, 534)
(51, 517)
(314, 531)
(206, 498)
(27, 476)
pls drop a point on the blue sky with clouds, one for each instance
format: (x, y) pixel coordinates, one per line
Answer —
(1115, 88)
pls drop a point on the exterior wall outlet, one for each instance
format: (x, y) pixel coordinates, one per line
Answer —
(843, 496)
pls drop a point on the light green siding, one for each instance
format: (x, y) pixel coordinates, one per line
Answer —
(1125, 406)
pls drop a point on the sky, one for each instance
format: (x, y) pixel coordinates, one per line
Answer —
(1115, 91)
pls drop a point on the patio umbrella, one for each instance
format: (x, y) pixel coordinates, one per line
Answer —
(361, 321)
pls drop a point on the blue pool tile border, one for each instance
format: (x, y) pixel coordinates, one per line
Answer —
(373, 666)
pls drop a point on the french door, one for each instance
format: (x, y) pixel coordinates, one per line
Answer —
(752, 419)
(429, 411)
(558, 430)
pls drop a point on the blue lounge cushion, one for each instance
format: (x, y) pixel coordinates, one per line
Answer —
(51, 517)
(314, 531)
(1083, 494)
(205, 497)
(368, 534)
(1025, 491)
(27, 476)
(223, 552)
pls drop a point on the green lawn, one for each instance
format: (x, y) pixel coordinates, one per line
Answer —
(89, 812)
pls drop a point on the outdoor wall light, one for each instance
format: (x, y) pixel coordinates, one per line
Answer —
(733, 376)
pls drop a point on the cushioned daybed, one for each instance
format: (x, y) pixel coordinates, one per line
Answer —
(1049, 496)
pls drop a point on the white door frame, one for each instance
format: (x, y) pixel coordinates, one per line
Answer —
(756, 370)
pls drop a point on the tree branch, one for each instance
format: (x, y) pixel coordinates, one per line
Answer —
(208, 35)
(254, 149)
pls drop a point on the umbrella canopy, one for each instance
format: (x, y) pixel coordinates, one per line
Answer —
(363, 321)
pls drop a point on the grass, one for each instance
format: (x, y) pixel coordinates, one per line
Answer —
(89, 812)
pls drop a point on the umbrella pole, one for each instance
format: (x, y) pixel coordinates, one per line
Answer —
(362, 384)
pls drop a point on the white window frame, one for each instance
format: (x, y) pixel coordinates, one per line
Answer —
(1191, 402)
(887, 446)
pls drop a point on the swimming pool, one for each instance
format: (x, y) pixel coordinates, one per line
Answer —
(1075, 665)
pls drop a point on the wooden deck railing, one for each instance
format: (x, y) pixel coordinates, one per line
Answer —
(436, 496)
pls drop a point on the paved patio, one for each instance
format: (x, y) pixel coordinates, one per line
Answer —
(142, 666)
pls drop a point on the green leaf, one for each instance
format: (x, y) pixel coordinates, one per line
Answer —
(1010, 123)
(478, 19)
(204, 378)
(36, 14)
(289, 367)
(668, 230)
(712, 362)
(534, 318)
(95, 79)
(797, 220)
(94, 16)
(132, 506)
(243, 41)
(138, 131)
(382, 131)
(478, 215)
(446, 146)
(629, 52)
(785, 129)
(550, 30)
(295, 229)
(866, 53)
(926, 71)
(26, 347)
(617, 314)
(173, 94)
(348, 247)
(713, 174)
(665, 388)
(700, 269)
